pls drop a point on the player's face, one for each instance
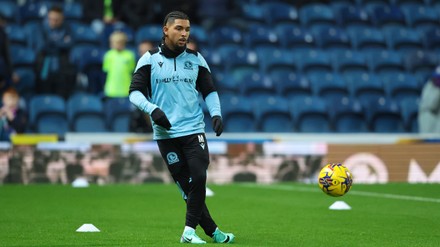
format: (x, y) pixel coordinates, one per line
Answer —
(177, 34)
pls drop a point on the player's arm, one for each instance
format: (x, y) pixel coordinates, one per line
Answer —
(140, 89)
(206, 86)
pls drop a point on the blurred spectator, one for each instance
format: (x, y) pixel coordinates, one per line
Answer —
(12, 118)
(56, 74)
(143, 47)
(6, 68)
(119, 64)
(192, 44)
(56, 168)
(429, 109)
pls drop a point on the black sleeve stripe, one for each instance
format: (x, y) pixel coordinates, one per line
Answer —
(204, 82)
(141, 81)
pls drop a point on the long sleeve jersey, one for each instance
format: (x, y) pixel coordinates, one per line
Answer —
(172, 81)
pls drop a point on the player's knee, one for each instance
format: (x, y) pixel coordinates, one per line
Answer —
(199, 178)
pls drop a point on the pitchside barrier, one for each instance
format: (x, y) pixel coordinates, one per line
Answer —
(261, 158)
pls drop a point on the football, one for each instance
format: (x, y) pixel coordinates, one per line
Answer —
(335, 179)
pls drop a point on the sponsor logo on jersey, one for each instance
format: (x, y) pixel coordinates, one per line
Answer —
(160, 64)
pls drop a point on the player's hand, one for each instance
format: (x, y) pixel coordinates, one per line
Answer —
(217, 125)
(160, 118)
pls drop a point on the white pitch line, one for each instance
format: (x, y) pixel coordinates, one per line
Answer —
(357, 193)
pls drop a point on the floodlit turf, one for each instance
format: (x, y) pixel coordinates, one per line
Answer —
(259, 215)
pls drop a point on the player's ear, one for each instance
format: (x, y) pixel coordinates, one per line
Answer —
(165, 30)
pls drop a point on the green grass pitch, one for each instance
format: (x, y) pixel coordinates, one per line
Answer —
(259, 215)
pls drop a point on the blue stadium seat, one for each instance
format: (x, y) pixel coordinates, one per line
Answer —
(26, 85)
(347, 116)
(418, 15)
(118, 113)
(199, 34)
(34, 34)
(238, 114)
(384, 116)
(388, 16)
(367, 39)
(253, 12)
(310, 114)
(84, 34)
(149, 32)
(349, 15)
(9, 10)
(385, 61)
(47, 114)
(241, 61)
(258, 36)
(34, 11)
(214, 59)
(401, 86)
(410, 111)
(290, 84)
(348, 61)
(16, 35)
(329, 86)
(316, 13)
(313, 61)
(294, 37)
(421, 62)
(432, 39)
(365, 87)
(333, 38)
(23, 57)
(85, 113)
(89, 61)
(273, 114)
(225, 83)
(73, 10)
(257, 85)
(279, 12)
(403, 39)
(226, 34)
(275, 59)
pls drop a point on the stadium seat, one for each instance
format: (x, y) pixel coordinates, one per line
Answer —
(238, 114)
(26, 85)
(257, 85)
(432, 39)
(410, 110)
(34, 34)
(275, 59)
(418, 15)
(290, 84)
(9, 10)
(365, 87)
(214, 59)
(279, 12)
(420, 62)
(328, 86)
(273, 114)
(310, 114)
(403, 39)
(199, 34)
(47, 114)
(253, 12)
(23, 57)
(17, 35)
(348, 61)
(84, 34)
(150, 32)
(385, 61)
(34, 11)
(241, 61)
(401, 86)
(118, 113)
(367, 39)
(89, 61)
(260, 36)
(313, 61)
(347, 116)
(384, 117)
(226, 34)
(73, 10)
(332, 38)
(294, 37)
(225, 83)
(352, 15)
(85, 113)
(388, 16)
(316, 13)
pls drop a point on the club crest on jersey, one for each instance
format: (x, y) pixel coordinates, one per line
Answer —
(172, 158)
(188, 65)
(201, 141)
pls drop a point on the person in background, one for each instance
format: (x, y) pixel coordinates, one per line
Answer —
(192, 44)
(12, 119)
(429, 108)
(55, 73)
(118, 64)
(7, 75)
(143, 47)
(166, 85)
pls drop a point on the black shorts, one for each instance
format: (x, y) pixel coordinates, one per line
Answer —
(189, 153)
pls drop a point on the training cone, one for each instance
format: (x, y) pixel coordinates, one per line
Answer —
(88, 228)
(80, 183)
(340, 205)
